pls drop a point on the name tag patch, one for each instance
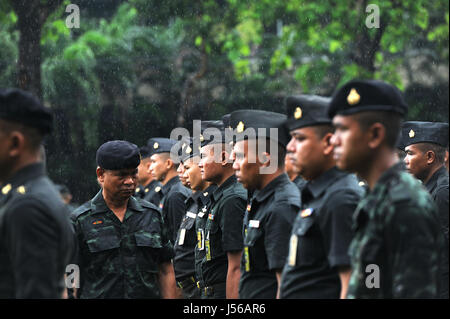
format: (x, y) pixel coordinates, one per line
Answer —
(253, 224)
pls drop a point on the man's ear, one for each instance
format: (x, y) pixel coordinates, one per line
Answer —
(264, 159)
(16, 143)
(431, 157)
(100, 174)
(328, 146)
(376, 134)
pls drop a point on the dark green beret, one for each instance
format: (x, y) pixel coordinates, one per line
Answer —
(20, 106)
(242, 120)
(367, 95)
(414, 132)
(306, 110)
(115, 155)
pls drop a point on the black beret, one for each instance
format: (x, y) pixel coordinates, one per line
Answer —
(115, 155)
(188, 149)
(414, 132)
(209, 137)
(242, 120)
(306, 110)
(158, 145)
(22, 107)
(367, 95)
(145, 152)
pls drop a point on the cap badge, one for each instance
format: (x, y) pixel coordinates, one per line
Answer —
(353, 97)
(157, 189)
(298, 113)
(412, 134)
(156, 145)
(146, 190)
(6, 189)
(21, 189)
(240, 127)
(201, 138)
(188, 150)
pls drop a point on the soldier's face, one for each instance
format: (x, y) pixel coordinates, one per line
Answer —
(159, 166)
(245, 168)
(305, 151)
(118, 183)
(416, 161)
(181, 174)
(351, 150)
(210, 163)
(193, 175)
(143, 171)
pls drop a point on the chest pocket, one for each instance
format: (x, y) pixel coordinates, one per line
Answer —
(252, 236)
(309, 247)
(148, 250)
(102, 239)
(213, 238)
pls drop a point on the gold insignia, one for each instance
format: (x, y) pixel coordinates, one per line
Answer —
(146, 190)
(361, 183)
(137, 190)
(298, 113)
(6, 189)
(412, 133)
(156, 145)
(188, 150)
(201, 138)
(21, 189)
(353, 97)
(157, 189)
(240, 127)
(205, 194)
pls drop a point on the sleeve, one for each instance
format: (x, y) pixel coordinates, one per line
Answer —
(166, 253)
(336, 226)
(33, 250)
(277, 234)
(231, 223)
(414, 252)
(441, 198)
(175, 208)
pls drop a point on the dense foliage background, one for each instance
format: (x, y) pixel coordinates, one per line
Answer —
(138, 68)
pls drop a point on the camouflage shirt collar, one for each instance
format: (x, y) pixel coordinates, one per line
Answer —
(98, 204)
(392, 171)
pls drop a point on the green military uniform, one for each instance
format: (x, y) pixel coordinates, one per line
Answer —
(397, 229)
(120, 259)
(396, 250)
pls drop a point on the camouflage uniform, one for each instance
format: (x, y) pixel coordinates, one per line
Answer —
(120, 259)
(397, 228)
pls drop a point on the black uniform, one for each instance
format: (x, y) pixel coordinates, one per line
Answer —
(299, 182)
(437, 186)
(36, 237)
(151, 192)
(184, 248)
(173, 205)
(219, 230)
(321, 237)
(267, 225)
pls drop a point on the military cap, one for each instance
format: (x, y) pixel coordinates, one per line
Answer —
(306, 110)
(158, 145)
(115, 155)
(188, 149)
(256, 119)
(367, 95)
(20, 106)
(414, 132)
(217, 125)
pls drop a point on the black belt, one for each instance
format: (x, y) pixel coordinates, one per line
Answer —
(190, 281)
(209, 290)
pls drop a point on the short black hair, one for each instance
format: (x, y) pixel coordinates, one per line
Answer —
(322, 130)
(390, 120)
(438, 150)
(33, 135)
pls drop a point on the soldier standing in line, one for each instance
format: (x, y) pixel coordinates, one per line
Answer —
(164, 169)
(149, 188)
(219, 224)
(36, 238)
(318, 265)
(425, 145)
(398, 239)
(184, 259)
(123, 245)
(259, 166)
